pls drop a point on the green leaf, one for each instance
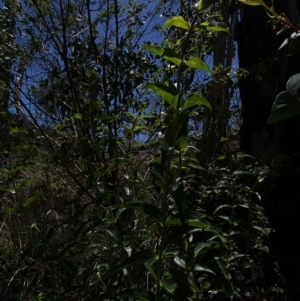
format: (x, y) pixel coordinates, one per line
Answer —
(242, 155)
(293, 86)
(169, 286)
(180, 262)
(158, 50)
(150, 269)
(113, 233)
(23, 146)
(210, 27)
(178, 194)
(147, 209)
(26, 182)
(197, 63)
(252, 2)
(172, 56)
(202, 268)
(180, 276)
(204, 4)
(196, 100)
(77, 115)
(167, 93)
(284, 107)
(20, 167)
(288, 40)
(17, 130)
(176, 21)
(166, 53)
(203, 247)
(181, 142)
(11, 210)
(32, 199)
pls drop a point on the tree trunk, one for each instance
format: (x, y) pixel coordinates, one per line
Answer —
(278, 146)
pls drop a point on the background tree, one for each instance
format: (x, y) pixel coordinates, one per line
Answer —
(124, 182)
(269, 70)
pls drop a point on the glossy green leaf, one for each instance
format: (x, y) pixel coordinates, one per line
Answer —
(176, 21)
(284, 107)
(198, 64)
(202, 268)
(196, 100)
(203, 247)
(113, 233)
(288, 40)
(252, 2)
(180, 262)
(210, 27)
(204, 4)
(167, 93)
(169, 286)
(293, 86)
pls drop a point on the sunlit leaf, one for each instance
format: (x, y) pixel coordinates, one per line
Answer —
(198, 64)
(204, 4)
(252, 2)
(172, 56)
(77, 115)
(167, 93)
(176, 21)
(210, 27)
(158, 50)
(196, 100)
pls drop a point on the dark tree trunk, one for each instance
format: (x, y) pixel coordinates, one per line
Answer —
(278, 146)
